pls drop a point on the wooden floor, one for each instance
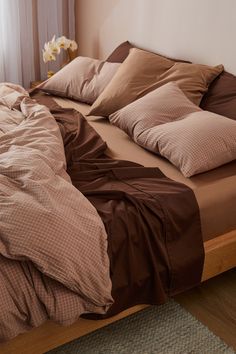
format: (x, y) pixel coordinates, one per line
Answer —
(214, 304)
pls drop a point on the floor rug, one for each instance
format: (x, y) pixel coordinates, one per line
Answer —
(166, 329)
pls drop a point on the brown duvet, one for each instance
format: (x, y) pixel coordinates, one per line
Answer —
(55, 262)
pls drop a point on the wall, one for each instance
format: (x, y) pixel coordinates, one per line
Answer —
(202, 31)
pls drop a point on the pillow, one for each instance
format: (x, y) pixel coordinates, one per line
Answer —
(221, 96)
(139, 70)
(151, 110)
(83, 79)
(198, 143)
(192, 79)
(143, 71)
(121, 52)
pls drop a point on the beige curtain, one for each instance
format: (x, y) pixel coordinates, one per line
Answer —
(25, 25)
(52, 17)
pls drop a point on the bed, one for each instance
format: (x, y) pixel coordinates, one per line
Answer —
(212, 190)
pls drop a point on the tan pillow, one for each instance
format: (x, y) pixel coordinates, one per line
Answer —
(143, 71)
(140, 70)
(83, 79)
(162, 105)
(192, 79)
(198, 143)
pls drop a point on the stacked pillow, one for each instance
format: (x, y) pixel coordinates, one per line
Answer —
(84, 78)
(142, 72)
(109, 86)
(220, 97)
(155, 100)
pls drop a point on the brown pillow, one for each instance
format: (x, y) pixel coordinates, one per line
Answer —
(143, 71)
(83, 79)
(221, 96)
(121, 52)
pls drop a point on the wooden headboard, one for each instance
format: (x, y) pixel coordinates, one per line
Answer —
(202, 31)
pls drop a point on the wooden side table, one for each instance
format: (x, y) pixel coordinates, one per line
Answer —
(33, 84)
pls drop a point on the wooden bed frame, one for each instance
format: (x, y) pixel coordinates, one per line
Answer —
(220, 256)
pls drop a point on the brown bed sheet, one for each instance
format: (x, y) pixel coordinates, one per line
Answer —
(215, 190)
(144, 213)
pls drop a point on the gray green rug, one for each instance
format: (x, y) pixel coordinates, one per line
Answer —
(166, 329)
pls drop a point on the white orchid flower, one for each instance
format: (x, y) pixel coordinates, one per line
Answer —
(54, 47)
(63, 42)
(73, 45)
(48, 56)
(46, 46)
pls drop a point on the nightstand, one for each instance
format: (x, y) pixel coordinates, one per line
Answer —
(33, 84)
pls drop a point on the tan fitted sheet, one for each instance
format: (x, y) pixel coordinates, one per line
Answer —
(215, 190)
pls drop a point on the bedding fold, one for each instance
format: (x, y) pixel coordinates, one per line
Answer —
(53, 244)
(81, 233)
(155, 242)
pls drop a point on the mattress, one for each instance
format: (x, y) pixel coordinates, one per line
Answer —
(215, 190)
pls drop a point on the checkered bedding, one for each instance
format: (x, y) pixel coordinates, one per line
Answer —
(53, 245)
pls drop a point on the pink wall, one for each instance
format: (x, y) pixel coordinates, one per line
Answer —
(202, 31)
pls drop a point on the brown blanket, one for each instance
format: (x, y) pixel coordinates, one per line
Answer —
(153, 225)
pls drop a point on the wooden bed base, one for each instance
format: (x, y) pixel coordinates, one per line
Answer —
(220, 256)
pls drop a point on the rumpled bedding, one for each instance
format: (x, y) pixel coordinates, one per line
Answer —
(153, 224)
(53, 244)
